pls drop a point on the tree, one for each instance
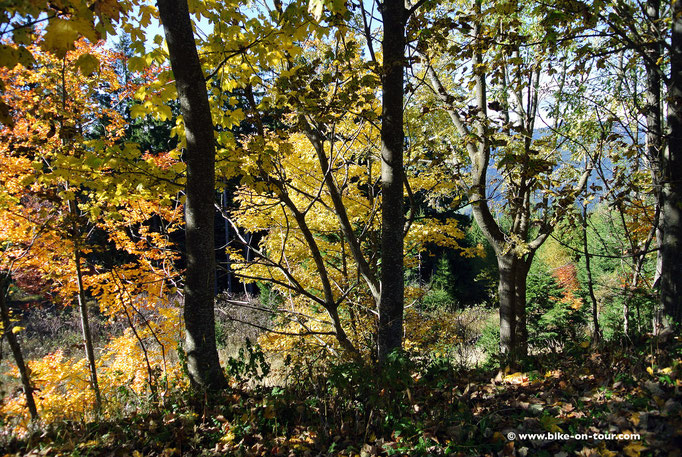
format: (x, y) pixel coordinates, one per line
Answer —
(56, 112)
(392, 301)
(202, 355)
(75, 191)
(67, 22)
(646, 38)
(671, 247)
(505, 59)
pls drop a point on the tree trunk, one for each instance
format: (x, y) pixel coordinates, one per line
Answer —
(507, 297)
(16, 348)
(391, 303)
(87, 335)
(671, 274)
(513, 276)
(202, 356)
(654, 134)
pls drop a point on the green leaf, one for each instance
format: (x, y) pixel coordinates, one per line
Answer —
(549, 423)
(5, 115)
(60, 36)
(8, 56)
(23, 35)
(88, 64)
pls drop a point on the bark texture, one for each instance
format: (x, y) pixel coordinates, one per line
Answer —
(202, 356)
(391, 304)
(671, 274)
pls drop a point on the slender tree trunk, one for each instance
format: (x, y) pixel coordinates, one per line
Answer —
(626, 315)
(391, 303)
(202, 355)
(87, 335)
(671, 249)
(16, 348)
(596, 332)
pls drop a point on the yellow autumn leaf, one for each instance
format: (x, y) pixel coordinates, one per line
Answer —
(17, 329)
(228, 437)
(515, 378)
(634, 449)
(315, 8)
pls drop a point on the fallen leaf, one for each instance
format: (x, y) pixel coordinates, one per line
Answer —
(634, 449)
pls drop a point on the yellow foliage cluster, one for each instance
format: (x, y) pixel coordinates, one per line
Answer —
(287, 196)
(427, 333)
(60, 187)
(62, 390)
(129, 366)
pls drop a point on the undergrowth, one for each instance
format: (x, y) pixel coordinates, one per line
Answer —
(413, 405)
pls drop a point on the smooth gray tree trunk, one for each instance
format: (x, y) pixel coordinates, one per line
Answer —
(654, 133)
(654, 136)
(200, 345)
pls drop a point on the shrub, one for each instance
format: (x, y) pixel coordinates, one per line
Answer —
(548, 315)
(438, 299)
(489, 341)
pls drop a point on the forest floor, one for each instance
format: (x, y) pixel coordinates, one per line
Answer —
(414, 407)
